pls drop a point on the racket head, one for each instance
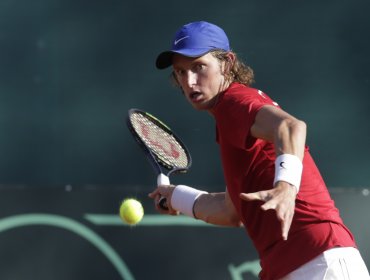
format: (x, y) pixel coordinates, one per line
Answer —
(159, 141)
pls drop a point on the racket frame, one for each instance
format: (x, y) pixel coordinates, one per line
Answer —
(157, 164)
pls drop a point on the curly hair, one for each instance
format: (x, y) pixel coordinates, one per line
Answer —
(238, 72)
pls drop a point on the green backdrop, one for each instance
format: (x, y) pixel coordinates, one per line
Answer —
(76, 234)
(70, 70)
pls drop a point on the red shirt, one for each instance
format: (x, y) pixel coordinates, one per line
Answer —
(249, 166)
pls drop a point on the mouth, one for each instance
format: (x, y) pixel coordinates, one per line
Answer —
(195, 96)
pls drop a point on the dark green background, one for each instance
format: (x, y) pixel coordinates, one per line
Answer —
(70, 70)
(33, 250)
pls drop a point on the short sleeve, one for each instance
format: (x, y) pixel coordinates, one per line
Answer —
(236, 112)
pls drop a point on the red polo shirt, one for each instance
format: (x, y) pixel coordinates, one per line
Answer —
(248, 165)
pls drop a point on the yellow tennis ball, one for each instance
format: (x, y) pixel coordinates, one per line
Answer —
(131, 211)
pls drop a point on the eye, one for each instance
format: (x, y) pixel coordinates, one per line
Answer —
(199, 67)
(179, 72)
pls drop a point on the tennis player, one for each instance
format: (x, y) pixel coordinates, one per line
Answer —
(274, 188)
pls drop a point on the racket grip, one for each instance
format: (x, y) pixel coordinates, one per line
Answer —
(163, 180)
(163, 203)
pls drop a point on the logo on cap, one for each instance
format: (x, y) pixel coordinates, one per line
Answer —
(179, 40)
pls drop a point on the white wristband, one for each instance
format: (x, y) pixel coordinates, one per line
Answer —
(183, 199)
(288, 168)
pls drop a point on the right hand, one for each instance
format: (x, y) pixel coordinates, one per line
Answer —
(164, 191)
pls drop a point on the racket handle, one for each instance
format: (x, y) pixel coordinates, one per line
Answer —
(163, 180)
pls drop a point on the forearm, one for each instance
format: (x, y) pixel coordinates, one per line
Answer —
(290, 138)
(215, 208)
(288, 134)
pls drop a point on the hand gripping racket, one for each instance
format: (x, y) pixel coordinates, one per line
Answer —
(164, 150)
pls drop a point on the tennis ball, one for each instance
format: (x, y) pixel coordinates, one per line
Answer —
(131, 211)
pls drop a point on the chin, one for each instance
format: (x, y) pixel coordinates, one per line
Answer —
(201, 106)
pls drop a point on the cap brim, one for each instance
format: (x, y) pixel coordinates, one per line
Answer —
(164, 59)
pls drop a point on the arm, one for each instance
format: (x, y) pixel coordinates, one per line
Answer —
(288, 135)
(217, 209)
(213, 208)
(286, 132)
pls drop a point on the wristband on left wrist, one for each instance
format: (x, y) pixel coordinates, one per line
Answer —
(288, 168)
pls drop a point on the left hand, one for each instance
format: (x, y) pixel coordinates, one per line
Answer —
(281, 199)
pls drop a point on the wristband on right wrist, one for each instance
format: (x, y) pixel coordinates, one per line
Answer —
(183, 199)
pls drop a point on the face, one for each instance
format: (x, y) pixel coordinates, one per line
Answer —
(201, 79)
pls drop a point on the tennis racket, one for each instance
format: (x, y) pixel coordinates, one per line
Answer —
(164, 150)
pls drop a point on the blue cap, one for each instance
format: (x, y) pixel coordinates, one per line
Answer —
(193, 40)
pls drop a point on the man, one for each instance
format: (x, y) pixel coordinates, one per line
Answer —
(273, 187)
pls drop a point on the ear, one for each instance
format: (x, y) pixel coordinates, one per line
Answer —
(230, 61)
(231, 57)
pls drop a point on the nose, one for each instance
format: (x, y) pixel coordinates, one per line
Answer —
(191, 79)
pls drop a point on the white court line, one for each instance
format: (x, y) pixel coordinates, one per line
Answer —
(148, 220)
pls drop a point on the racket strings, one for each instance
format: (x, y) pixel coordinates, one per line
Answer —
(161, 143)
